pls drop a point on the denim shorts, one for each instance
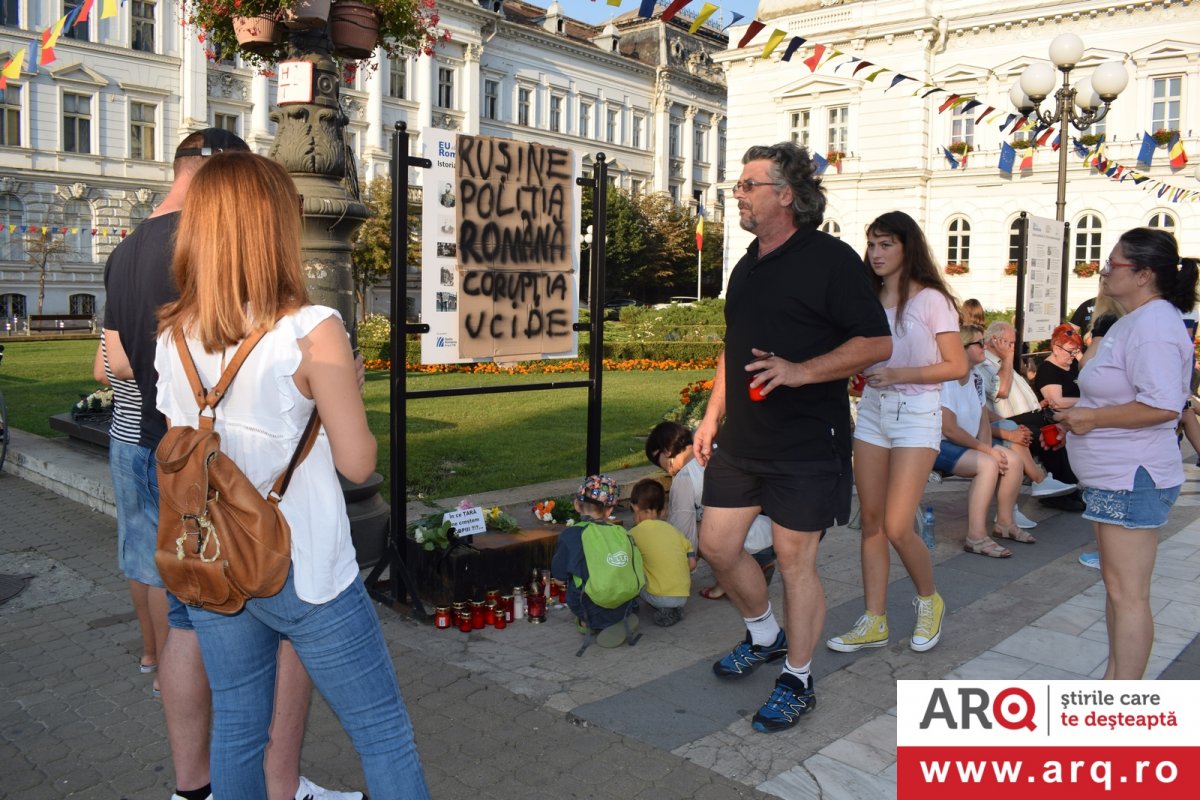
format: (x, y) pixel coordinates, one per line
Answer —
(948, 455)
(135, 490)
(1002, 425)
(890, 419)
(1144, 507)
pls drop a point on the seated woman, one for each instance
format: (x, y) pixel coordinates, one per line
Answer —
(1057, 380)
(967, 451)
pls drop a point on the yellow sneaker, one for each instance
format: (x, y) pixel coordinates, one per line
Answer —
(929, 622)
(869, 631)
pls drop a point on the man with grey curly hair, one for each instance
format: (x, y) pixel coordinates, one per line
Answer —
(801, 318)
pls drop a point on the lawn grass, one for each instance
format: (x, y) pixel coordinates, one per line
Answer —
(43, 378)
(454, 446)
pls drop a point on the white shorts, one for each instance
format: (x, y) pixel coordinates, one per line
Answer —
(890, 419)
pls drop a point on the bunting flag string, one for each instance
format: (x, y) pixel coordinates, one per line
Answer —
(1095, 158)
(58, 230)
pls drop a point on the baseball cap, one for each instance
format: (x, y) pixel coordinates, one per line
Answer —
(599, 489)
(211, 141)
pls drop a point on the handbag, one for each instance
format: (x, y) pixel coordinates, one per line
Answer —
(220, 542)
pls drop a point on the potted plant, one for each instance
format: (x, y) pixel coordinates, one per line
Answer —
(1023, 144)
(1090, 139)
(1163, 136)
(213, 21)
(957, 268)
(404, 27)
(1086, 269)
(960, 148)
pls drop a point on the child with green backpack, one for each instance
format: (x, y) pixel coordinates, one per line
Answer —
(601, 566)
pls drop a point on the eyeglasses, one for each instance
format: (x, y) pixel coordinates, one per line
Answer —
(977, 341)
(1069, 351)
(1110, 265)
(749, 186)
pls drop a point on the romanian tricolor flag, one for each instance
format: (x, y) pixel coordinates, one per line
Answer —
(12, 70)
(700, 229)
(1178, 158)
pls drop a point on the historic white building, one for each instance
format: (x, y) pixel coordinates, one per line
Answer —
(892, 139)
(86, 142)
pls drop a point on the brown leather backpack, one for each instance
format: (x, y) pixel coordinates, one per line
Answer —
(219, 540)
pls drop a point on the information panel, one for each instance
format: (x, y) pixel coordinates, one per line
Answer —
(1043, 278)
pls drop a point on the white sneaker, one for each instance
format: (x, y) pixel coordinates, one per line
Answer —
(1022, 521)
(310, 791)
(180, 797)
(1050, 487)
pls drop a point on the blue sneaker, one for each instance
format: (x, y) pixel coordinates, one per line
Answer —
(790, 700)
(746, 656)
(1090, 559)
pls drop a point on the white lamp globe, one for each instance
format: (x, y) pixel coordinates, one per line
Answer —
(1086, 98)
(1066, 50)
(1109, 80)
(1037, 81)
(1019, 99)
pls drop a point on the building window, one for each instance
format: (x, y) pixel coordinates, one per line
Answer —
(585, 119)
(1167, 95)
(77, 219)
(636, 186)
(77, 122)
(722, 147)
(523, 105)
(12, 308)
(12, 212)
(699, 135)
(839, 129)
(491, 99)
(802, 128)
(141, 24)
(8, 12)
(141, 131)
(1014, 241)
(83, 304)
(10, 116)
(226, 122)
(1163, 220)
(397, 78)
(832, 228)
(673, 140)
(80, 29)
(674, 191)
(958, 242)
(611, 131)
(962, 125)
(638, 122)
(139, 214)
(556, 102)
(445, 96)
(1087, 238)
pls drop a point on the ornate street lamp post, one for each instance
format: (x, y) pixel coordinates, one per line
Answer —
(1087, 95)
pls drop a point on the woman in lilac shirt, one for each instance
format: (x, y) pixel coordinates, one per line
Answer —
(1122, 430)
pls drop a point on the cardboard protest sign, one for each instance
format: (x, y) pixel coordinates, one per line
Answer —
(515, 211)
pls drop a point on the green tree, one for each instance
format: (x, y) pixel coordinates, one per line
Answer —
(371, 246)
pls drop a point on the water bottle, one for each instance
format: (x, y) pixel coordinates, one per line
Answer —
(927, 528)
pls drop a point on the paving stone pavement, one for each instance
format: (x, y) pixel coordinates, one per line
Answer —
(514, 713)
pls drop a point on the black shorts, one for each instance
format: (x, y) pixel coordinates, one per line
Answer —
(799, 495)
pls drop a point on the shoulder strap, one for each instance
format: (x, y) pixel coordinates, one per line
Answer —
(210, 398)
(307, 440)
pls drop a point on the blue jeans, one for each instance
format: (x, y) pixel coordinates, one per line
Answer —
(135, 490)
(342, 648)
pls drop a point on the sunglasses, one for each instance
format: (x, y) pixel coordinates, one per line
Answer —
(977, 341)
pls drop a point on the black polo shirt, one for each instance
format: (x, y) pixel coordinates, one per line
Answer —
(804, 299)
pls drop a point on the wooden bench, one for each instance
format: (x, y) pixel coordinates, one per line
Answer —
(42, 323)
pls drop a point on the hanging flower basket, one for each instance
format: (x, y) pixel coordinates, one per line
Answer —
(960, 148)
(307, 14)
(1010, 268)
(1023, 144)
(1086, 269)
(354, 29)
(1090, 139)
(260, 35)
(1163, 136)
(957, 268)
